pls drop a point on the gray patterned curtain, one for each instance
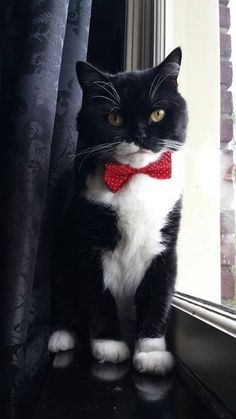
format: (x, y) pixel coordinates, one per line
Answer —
(40, 97)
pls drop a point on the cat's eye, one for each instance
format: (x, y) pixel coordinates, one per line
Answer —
(157, 115)
(115, 119)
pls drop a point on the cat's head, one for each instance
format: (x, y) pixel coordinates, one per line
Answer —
(132, 117)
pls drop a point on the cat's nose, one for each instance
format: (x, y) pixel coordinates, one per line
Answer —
(140, 138)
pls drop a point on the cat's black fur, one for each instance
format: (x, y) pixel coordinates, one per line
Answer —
(88, 229)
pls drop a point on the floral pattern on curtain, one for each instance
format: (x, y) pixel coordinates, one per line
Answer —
(41, 42)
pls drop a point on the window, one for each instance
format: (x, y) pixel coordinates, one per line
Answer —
(207, 238)
(204, 338)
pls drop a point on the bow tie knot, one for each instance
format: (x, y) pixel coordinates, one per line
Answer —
(117, 175)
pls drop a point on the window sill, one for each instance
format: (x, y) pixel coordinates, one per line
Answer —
(202, 336)
(224, 320)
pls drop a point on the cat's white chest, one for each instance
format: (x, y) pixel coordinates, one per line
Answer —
(142, 207)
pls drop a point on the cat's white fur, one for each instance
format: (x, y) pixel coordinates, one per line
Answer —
(105, 350)
(155, 362)
(61, 340)
(142, 207)
(151, 356)
(130, 153)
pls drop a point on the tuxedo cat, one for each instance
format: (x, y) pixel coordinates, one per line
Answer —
(116, 248)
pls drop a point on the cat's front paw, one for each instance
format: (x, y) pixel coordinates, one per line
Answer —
(110, 350)
(151, 357)
(61, 340)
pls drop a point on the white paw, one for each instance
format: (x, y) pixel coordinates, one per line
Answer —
(155, 362)
(61, 340)
(151, 357)
(110, 350)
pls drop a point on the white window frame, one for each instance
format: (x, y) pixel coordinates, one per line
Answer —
(212, 314)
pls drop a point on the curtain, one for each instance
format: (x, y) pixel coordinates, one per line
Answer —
(41, 42)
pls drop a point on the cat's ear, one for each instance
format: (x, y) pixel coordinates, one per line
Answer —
(170, 66)
(88, 75)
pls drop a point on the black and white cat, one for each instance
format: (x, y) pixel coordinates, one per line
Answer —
(117, 244)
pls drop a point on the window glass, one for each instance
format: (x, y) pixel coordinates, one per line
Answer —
(206, 31)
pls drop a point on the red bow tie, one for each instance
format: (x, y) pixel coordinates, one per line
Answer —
(117, 174)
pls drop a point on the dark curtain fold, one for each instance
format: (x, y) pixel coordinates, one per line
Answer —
(41, 42)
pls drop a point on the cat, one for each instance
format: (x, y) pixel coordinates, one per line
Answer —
(116, 248)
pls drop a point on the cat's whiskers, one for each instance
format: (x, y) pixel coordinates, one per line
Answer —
(169, 144)
(86, 150)
(81, 153)
(103, 97)
(102, 148)
(152, 85)
(104, 153)
(175, 146)
(99, 146)
(114, 107)
(164, 101)
(159, 83)
(113, 91)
